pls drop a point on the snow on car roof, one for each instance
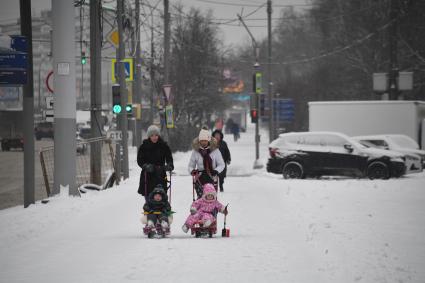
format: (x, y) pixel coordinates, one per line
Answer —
(368, 102)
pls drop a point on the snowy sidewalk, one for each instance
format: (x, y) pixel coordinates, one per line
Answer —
(280, 231)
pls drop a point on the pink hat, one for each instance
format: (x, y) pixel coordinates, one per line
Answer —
(209, 189)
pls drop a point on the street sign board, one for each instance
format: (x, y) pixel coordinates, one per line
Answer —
(169, 116)
(128, 67)
(13, 76)
(117, 135)
(283, 109)
(12, 59)
(19, 43)
(167, 91)
(113, 37)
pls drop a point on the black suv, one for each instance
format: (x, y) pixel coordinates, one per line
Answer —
(44, 130)
(314, 154)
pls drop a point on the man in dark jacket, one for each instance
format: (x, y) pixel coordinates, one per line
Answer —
(225, 153)
(154, 157)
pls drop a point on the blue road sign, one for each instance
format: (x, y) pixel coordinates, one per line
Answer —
(13, 76)
(283, 109)
(19, 43)
(13, 59)
(126, 70)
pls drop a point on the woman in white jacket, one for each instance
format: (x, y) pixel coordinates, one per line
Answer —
(206, 159)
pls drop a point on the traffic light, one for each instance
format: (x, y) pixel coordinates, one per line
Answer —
(254, 116)
(129, 108)
(256, 82)
(116, 99)
(83, 58)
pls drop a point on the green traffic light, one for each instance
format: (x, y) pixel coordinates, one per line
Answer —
(83, 60)
(128, 108)
(116, 109)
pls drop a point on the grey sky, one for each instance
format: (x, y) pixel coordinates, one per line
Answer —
(222, 9)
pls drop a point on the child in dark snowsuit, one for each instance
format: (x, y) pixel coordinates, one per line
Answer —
(157, 208)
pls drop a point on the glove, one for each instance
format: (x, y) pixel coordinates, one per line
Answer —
(193, 210)
(169, 167)
(149, 167)
(225, 212)
(214, 172)
(194, 172)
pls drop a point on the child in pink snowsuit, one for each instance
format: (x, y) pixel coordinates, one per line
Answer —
(202, 209)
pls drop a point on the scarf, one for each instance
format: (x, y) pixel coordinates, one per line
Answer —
(207, 161)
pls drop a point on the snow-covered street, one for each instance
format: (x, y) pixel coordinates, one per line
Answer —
(327, 230)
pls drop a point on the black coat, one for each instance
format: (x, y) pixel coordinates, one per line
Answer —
(224, 150)
(162, 206)
(158, 154)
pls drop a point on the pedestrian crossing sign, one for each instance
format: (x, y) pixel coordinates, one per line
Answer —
(128, 68)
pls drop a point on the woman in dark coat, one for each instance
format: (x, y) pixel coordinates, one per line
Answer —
(154, 157)
(225, 153)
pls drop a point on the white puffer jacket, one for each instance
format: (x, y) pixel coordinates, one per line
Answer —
(196, 161)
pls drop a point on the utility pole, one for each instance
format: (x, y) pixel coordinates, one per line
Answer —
(152, 73)
(122, 117)
(272, 127)
(166, 43)
(63, 24)
(394, 71)
(137, 83)
(257, 162)
(95, 92)
(28, 107)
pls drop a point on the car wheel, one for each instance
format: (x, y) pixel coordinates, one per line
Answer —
(293, 170)
(378, 170)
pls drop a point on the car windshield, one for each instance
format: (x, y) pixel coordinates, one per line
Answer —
(404, 142)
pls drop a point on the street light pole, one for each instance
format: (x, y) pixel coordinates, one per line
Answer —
(257, 162)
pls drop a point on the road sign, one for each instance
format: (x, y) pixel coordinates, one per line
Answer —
(117, 135)
(49, 102)
(283, 109)
(13, 59)
(167, 91)
(128, 67)
(113, 37)
(19, 43)
(169, 116)
(13, 76)
(49, 115)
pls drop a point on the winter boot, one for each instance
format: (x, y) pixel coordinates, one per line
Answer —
(207, 223)
(151, 224)
(164, 225)
(185, 228)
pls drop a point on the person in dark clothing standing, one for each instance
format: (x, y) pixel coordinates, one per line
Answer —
(225, 153)
(154, 157)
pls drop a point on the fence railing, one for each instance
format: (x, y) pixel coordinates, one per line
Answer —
(83, 163)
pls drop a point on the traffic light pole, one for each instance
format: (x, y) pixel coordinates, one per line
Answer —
(257, 162)
(122, 118)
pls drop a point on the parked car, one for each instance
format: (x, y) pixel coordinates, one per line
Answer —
(8, 143)
(314, 154)
(44, 130)
(399, 143)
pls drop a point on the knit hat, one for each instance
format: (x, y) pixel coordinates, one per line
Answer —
(204, 135)
(152, 130)
(209, 189)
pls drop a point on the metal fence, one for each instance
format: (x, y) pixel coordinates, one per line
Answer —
(84, 162)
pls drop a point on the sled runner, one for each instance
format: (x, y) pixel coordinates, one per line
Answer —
(157, 230)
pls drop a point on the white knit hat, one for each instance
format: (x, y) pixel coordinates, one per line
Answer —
(152, 130)
(204, 135)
